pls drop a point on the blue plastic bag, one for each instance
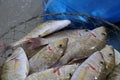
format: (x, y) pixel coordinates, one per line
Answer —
(106, 9)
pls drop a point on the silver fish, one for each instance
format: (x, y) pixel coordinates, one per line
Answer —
(97, 66)
(86, 45)
(48, 56)
(72, 35)
(43, 30)
(64, 73)
(37, 43)
(16, 67)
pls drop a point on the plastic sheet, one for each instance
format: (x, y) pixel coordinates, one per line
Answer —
(108, 10)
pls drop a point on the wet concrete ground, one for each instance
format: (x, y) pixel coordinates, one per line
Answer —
(16, 19)
(13, 14)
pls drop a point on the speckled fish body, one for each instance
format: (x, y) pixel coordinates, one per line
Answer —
(87, 44)
(48, 56)
(43, 30)
(96, 66)
(72, 35)
(16, 67)
(64, 73)
(115, 74)
(31, 52)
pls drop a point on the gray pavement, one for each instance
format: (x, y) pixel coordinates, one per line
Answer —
(13, 14)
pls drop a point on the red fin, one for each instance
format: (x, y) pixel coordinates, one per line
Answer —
(15, 59)
(58, 72)
(92, 67)
(93, 35)
(56, 69)
(49, 48)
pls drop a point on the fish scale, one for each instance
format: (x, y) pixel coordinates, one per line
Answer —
(94, 68)
(85, 45)
(62, 74)
(13, 68)
(43, 30)
(45, 58)
(72, 35)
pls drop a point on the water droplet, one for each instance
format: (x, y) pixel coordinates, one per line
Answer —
(92, 47)
(61, 52)
(106, 67)
(95, 78)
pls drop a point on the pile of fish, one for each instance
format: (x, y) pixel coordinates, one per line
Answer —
(44, 54)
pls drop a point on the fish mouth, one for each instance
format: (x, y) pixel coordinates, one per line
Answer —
(64, 23)
(15, 54)
(100, 33)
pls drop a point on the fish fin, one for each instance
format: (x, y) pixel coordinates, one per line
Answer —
(56, 69)
(36, 42)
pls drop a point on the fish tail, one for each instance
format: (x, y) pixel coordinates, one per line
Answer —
(4, 47)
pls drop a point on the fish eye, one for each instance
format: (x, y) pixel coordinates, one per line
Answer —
(101, 62)
(39, 36)
(103, 34)
(60, 45)
(70, 75)
(86, 30)
(110, 54)
(9, 55)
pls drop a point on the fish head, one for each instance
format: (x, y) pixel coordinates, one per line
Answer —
(100, 33)
(59, 24)
(60, 45)
(109, 57)
(16, 64)
(15, 54)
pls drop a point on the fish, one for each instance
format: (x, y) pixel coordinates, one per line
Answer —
(16, 67)
(86, 45)
(72, 35)
(43, 30)
(97, 66)
(64, 73)
(48, 56)
(115, 74)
